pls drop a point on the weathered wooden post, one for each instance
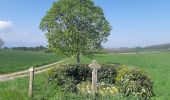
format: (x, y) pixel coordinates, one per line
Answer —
(94, 66)
(31, 71)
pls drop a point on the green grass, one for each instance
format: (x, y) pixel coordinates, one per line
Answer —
(156, 64)
(18, 90)
(12, 61)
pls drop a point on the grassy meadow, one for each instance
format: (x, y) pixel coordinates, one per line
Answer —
(12, 61)
(156, 64)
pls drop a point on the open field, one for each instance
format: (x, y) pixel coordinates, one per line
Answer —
(156, 64)
(12, 61)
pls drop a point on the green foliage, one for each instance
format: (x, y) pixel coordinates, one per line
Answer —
(75, 26)
(107, 73)
(12, 61)
(68, 76)
(133, 81)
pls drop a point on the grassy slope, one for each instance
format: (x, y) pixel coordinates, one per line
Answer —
(12, 61)
(157, 64)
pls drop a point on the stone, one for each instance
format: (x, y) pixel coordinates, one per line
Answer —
(94, 66)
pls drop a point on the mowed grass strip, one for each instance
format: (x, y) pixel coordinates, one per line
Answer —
(12, 61)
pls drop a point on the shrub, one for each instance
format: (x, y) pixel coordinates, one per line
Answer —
(133, 81)
(68, 76)
(128, 80)
(107, 73)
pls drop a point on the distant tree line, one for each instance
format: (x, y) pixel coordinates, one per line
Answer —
(161, 46)
(38, 48)
(124, 50)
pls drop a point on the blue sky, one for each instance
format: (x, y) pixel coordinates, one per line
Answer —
(134, 22)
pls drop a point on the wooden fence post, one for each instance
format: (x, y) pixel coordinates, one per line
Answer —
(31, 80)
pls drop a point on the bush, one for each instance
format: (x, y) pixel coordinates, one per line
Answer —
(129, 81)
(133, 81)
(107, 73)
(68, 76)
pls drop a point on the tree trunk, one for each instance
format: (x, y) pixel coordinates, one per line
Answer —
(78, 58)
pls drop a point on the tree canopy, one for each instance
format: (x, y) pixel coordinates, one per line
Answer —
(1, 43)
(74, 27)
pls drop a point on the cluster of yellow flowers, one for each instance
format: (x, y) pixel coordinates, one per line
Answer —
(103, 89)
(84, 87)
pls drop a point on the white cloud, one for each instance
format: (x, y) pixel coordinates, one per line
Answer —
(24, 39)
(5, 25)
(16, 38)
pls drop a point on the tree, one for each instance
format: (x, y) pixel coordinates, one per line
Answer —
(75, 26)
(1, 43)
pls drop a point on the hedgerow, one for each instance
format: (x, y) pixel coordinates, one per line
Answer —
(127, 80)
